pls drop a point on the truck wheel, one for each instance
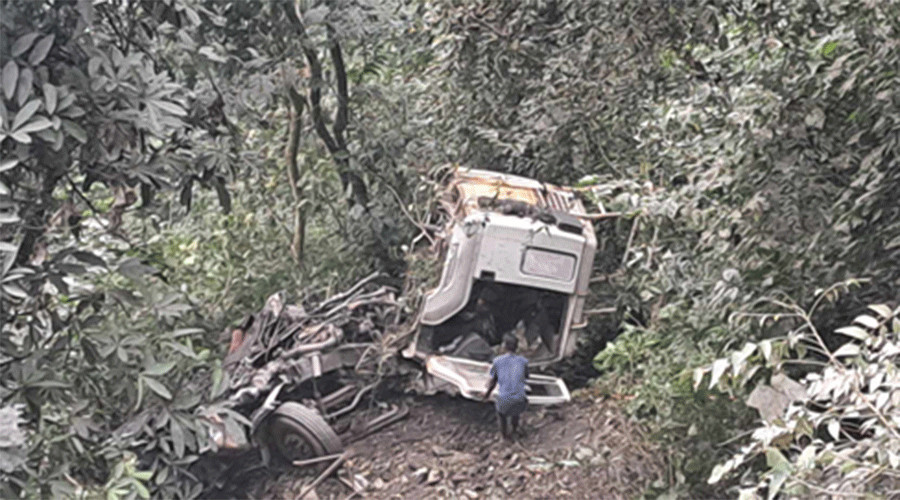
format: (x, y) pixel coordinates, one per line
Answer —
(298, 432)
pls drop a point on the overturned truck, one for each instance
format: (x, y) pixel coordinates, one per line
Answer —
(516, 258)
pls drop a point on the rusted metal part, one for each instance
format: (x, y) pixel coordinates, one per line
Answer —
(258, 325)
(237, 338)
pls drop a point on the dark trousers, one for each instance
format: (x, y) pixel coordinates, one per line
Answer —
(509, 412)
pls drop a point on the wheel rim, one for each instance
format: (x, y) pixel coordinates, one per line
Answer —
(296, 448)
(293, 441)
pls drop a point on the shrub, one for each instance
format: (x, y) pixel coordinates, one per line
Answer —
(839, 436)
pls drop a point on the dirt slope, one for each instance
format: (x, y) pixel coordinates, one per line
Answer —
(450, 448)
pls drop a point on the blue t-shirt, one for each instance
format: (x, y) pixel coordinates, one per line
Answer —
(510, 370)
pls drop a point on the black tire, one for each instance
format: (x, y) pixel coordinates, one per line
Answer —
(297, 432)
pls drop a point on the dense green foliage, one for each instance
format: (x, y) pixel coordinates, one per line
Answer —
(92, 120)
(165, 165)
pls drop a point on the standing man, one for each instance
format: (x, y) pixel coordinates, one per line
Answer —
(509, 372)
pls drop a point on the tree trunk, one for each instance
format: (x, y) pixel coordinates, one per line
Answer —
(295, 114)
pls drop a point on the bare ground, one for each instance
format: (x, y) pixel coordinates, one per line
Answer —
(450, 448)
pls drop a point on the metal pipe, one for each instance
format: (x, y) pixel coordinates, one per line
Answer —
(602, 310)
(352, 405)
(311, 461)
(338, 396)
(318, 346)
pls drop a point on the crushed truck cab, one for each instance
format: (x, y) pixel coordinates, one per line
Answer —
(517, 259)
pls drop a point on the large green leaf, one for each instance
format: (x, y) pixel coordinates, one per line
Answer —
(157, 387)
(50, 97)
(40, 50)
(10, 77)
(25, 113)
(23, 43)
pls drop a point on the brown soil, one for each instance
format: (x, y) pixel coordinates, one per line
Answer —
(451, 448)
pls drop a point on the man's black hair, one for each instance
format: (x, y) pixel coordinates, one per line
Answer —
(510, 342)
